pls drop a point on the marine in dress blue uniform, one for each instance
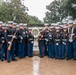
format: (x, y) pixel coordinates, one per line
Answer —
(2, 41)
(10, 35)
(26, 40)
(13, 48)
(71, 32)
(74, 41)
(45, 33)
(57, 43)
(50, 44)
(30, 43)
(65, 42)
(41, 43)
(21, 41)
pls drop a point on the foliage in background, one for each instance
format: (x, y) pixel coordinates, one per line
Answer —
(71, 8)
(60, 9)
(34, 20)
(16, 11)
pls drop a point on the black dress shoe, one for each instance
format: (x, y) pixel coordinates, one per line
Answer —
(2, 60)
(20, 57)
(8, 61)
(41, 56)
(14, 60)
(24, 57)
(67, 58)
(30, 56)
(56, 58)
(49, 57)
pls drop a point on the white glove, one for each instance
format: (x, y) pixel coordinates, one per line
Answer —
(27, 35)
(46, 39)
(73, 34)
(32, 41)
(2, 37)
(57, 44)
(50, 35)
(23, 32)
(64, 43)
(26, 32)
(70, 40)
(9, 43)
(21, 38)
(3, 41)
(14, 36)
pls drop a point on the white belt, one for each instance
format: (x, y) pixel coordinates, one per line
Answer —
(64, 39)
(31, 39)
(10, 35)
(57, 40)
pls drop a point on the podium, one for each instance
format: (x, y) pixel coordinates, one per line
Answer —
(35, 48)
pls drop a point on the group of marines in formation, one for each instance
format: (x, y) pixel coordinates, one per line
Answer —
(15, 41)
(58, 40)
(55, 41)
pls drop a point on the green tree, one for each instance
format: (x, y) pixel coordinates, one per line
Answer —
(56, 11)
(34, 20)
(16, 11)
(71, 8)
(13, 10)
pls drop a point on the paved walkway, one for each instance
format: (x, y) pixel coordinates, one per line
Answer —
(38, 66)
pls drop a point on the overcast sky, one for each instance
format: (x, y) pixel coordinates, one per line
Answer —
(37, 7)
